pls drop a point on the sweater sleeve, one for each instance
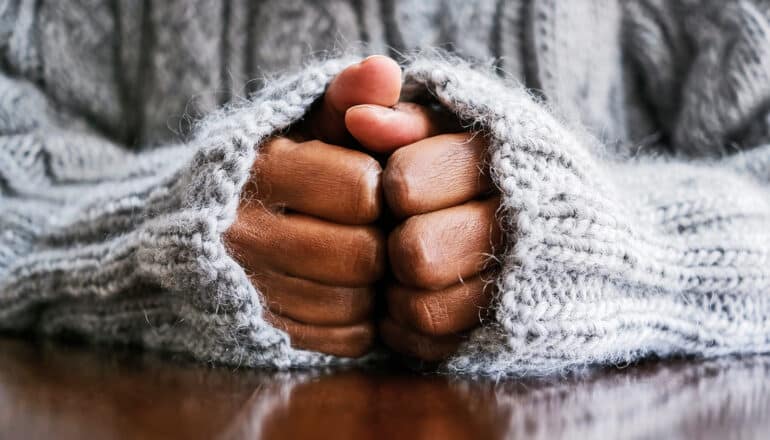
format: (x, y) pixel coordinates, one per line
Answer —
(117, 246)
(608, 260)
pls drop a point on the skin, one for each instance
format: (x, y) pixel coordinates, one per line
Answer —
(306, 235)
(434, 182)
(304, 230)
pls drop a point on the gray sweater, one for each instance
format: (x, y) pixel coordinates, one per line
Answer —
(629, 140)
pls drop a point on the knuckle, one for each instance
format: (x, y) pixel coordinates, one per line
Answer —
(425, 312)
(398, 184)
(424, 349)
(411, 254)
(342, 308)
(362, 341)
(249, 219)
(298, 335)
(268, 147)
(312, 144)
(271, 153)
(352, 305)
(461, 138)
(367, 190)
(236, 238)
(422, 318)
(362, 347)
(368, 254)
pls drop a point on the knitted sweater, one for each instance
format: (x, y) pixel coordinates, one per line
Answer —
(127, 130)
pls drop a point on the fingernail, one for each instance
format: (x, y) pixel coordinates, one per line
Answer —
(370, 57)
(376, 109)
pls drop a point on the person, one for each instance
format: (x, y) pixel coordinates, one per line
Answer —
(562, 184)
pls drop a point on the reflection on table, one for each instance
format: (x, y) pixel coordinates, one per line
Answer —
(52, 390)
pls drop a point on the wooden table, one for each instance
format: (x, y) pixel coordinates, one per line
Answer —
(51, 390)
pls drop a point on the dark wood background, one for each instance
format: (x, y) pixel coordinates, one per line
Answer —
(53, 390)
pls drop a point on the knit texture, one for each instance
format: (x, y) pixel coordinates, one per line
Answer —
(609, 261)
(120, 168)
(125, 247)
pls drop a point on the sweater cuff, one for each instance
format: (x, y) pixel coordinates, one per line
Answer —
(139, 258)
(607, 259)
(221, 300)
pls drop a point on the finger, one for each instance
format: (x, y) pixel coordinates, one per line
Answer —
(435, 173)
(375, 80)
(348, 341)
(307, 247)
(408, 342)
(440, 312)
(314, 303)
(384, 129)
(438, 249)
(318, 179)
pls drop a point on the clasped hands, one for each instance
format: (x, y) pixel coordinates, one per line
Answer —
(311, 229)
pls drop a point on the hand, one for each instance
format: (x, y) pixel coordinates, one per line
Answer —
(439, 254)
(303, 230)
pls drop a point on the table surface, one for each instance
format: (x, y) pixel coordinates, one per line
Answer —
(53, 390)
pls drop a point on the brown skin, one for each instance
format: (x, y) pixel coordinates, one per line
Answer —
(439, 253)
(305, 235)
(304, 230)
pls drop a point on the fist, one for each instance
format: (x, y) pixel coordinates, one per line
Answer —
(440, 253)
(303, 231)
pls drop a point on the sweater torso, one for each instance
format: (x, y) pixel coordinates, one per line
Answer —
(142, 72)
(691, 75)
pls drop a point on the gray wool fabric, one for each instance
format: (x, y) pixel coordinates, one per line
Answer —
(629, 140)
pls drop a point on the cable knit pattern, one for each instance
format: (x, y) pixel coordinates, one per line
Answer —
(706, 69)
(112, 207)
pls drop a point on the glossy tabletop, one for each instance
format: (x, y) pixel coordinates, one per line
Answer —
(52, 390)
